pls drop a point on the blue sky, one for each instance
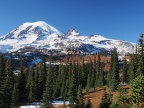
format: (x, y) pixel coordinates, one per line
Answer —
(116, 19)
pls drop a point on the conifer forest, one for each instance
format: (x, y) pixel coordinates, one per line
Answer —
(73, 79)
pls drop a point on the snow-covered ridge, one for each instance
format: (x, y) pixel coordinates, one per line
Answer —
(41, 35)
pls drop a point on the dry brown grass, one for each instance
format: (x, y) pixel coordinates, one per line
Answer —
(87, 59)
(95, 96)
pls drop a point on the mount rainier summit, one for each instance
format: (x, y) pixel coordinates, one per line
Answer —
(40, 35)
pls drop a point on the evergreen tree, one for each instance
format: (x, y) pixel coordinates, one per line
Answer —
(43, 72)
(14, 98)
(132, 69)
(70, 71)
(90, 67)
(48, 91)
(141, 65)
(88, 83)
(83, 74)
(98, 71)
(21, 83)
(137, 90)
(125, 72)
(7, 86)
(40, 83)
(140, 69)
(113, 77)
(64, 88)
(140, 45)
(36, 88)
(101, 77)
(93, 76)
(80, 98)
(110, 73)
(72, 93)
(28, 82)
(75, 72)
(137, 64)
(90, 74)
(31, 85)
(79, 77)
(2, 71)
(59, 83)
(99, 74)
(115, 64)
(123, 99)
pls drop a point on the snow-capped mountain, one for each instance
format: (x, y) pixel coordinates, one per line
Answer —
(29, 34)
(40, 35)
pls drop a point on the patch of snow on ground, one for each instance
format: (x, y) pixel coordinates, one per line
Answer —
(59, 102)
(30, 106)
(39, 104)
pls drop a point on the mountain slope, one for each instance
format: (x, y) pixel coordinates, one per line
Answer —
(41, 35)
(29, 34)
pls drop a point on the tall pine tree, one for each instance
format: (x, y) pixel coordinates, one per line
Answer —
(113, 75)
(72, 93)
(2, 71)
(137, 90)
(132, 69)
(7, 86)
(125, 72)
(14, 98)
(80, 98)
(99, 73)
(21, 83)
(48, 91)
